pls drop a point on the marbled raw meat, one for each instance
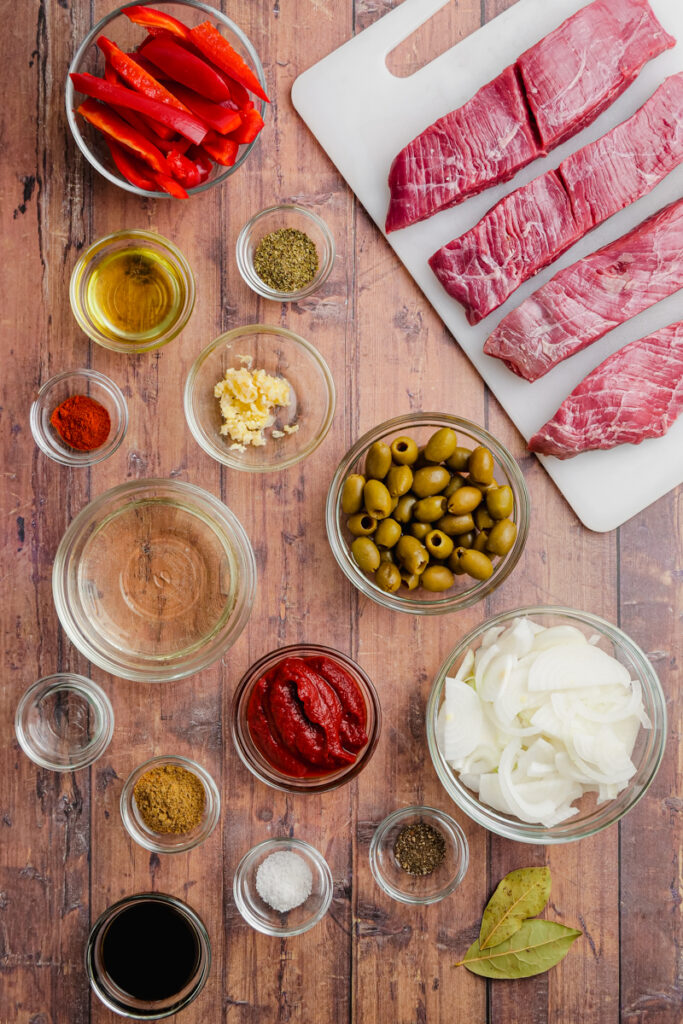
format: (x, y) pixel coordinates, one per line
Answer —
(526, 230)
(636, 393)
(482, 143)
(589, 298)
(577, 71)
(626, 163)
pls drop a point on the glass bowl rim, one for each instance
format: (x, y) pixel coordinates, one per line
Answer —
(462, 599)
(222, 455)
(446, 821)
(505, 825)
(246, 268)
(274, 845)
(69, 93)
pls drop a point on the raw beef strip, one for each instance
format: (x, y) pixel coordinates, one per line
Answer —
(591, 297)
(522, 233)
(575, 72)
(629, 161)
(482, 143)
(636, 393)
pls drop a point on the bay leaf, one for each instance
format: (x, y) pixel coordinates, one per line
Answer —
(534, 948)
(521, 894)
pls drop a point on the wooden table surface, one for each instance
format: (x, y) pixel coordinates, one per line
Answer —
(64, 855)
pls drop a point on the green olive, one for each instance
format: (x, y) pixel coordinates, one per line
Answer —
(386, 555)
(361, 525)
(500, 502)
(482, 519)
(465, 499)
(458, 460)
(378, 461)
(420, 530)
(412, 555)
(387, 534)
(437, 577)
(480, 465)
(455, 525)
(352, 494)
(404, 451)
(480, 541)
(454, 561)
(365, 554)
(502, 537)
(466, 540)
(428, 510)
(456, 482)
(399, 480)
(388, 577)
(403, 512)
(377, 499)
(438, 544)
(441, 445)
(411, 580)
(476, 564)
(430, 480)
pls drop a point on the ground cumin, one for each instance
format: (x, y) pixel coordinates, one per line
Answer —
(170, 799)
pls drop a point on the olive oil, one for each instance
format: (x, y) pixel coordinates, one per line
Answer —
(135, 294)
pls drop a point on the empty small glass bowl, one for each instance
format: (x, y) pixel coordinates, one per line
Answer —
(259, 914)
(168, 842)
(287, 215)
(117, 27)
(64, 722)
(67, 385)
(400, 884)
(298, 427)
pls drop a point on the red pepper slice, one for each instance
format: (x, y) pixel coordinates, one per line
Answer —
(222, 150)
(252, 123)
(110, 74)
(131, 169)
(152, 19)
(183, 170)
(184, 67)
(202, 161)
(219, 51)
(118, 95)
(221, 118)
(239, 95)
(110, 124)
(136, 76)
(170, 185)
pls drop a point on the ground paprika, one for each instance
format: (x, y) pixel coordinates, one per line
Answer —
(82, 423)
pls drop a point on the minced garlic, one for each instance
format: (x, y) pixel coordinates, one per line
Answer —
(247, 400)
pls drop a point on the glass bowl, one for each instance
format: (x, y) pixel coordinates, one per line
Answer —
(397, 882)
(250, 753)
(161, 842)
(66, 385)
(287, 215)
(64, 722)
(281, 354)
(174, 287)
(465, 591)
(154, 580)
(647, 754)
(128, 36)
(258, 913)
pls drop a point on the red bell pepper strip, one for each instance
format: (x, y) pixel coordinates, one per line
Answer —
(215, 115)
(219, 51)
(136, 76)
(131, 169)
(110, 74)
(252, 123)
(221, 149)
(152, 19)
(147, 66)
(183, 170)
(118, 95)
(170, 185)
(110, 124)
(184, 67)
(240, 96)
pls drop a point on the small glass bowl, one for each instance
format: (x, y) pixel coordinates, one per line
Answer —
(154, 580)
(179, 280)
(281, 354)
(65, 385)
(250, 754)
(647, 754)
(160, 842)
(64, 722)
(117, 27)
(258, 913)
(401, 885)
(465, 591)
(287, 215)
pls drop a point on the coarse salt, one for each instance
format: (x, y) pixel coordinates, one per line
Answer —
(284, 880)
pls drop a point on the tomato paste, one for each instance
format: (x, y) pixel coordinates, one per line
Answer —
(307, 716)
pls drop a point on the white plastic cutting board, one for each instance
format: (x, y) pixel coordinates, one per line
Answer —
(363, 115)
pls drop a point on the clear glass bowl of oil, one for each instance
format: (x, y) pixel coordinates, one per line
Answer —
(132, 291)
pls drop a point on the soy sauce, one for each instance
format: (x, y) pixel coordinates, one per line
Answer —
(150, 951)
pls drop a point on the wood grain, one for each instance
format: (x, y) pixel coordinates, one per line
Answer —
(64, 855)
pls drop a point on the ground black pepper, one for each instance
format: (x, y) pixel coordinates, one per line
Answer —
(286, 260)
(419, 848)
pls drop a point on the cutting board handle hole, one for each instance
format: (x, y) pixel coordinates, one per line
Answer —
(436, 35)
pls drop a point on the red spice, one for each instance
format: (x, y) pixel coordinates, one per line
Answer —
(82, 422)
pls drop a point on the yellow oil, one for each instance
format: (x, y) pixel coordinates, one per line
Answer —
(135, 295)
